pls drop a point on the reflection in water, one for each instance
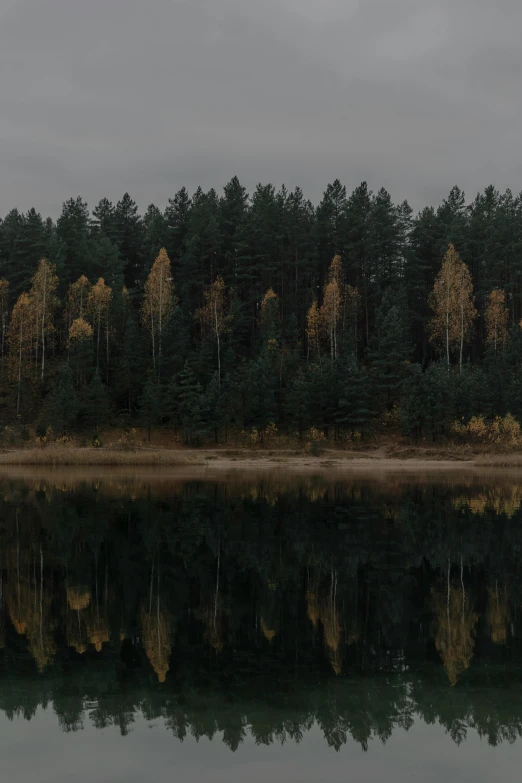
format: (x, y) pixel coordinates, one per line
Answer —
(259, 606)
(498, 613)
(454, 628)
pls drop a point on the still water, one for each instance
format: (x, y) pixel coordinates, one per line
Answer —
(255, 627)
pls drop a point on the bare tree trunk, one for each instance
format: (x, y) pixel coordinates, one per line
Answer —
(217, 581)
(153, 341)
(20, 368)
(43, 323)
(107, 346)
(160, 318)
(447, 339)
(4, 324)
(335, 329)
(461, 335)
(98, 341)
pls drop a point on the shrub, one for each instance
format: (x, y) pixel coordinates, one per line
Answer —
(500, 431)
(269, 433)
(315, 442)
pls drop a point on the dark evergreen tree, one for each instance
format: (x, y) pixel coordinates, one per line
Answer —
(96, 407)
(72, 230)
(128, 237)
(150, 404)
(188, 401)
(63, 401)
(391, 352)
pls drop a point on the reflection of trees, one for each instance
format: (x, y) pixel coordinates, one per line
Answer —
(322, 608)
(213, 613)
(505, 499)
(454, 624)
(498, 613)
(314, 578)
(78, 599)
(29, 599)
(359, 708)
(156, 629)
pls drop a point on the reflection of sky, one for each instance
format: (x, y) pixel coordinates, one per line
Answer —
(38, 750)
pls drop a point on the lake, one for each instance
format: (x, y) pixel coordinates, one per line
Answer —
(273, 626)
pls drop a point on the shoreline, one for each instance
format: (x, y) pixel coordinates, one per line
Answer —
(380, 460)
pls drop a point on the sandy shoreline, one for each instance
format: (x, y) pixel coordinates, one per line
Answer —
(413, 460)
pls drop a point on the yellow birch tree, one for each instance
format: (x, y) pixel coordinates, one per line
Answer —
(452, 303)
(77, 299)
(4, 311)
(44, 302)
(331, 310)
(158, 303)
(214, 316)
(80, 346)
(98, 304)
(313, 328)
(497, 318)
(19, 344)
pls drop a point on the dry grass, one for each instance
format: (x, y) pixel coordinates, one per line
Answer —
(384, 453)
(62, 455)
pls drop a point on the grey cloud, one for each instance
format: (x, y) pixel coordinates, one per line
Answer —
(107, 96)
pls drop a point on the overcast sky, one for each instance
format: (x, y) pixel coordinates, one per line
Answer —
(102, 96)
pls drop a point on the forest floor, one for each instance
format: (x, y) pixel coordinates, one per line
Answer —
(379, 457)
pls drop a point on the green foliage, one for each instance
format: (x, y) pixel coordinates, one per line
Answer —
(150, 404)
(272, 249)
(189, 404)
(96, 406)
(63, 401)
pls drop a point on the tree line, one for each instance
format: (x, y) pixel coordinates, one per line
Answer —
(263, 312)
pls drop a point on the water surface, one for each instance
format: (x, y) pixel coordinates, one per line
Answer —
(285, 627)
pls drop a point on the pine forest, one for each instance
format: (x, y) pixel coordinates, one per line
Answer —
(264, 315)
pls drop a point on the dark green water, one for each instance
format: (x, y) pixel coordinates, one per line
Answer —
(285, 628)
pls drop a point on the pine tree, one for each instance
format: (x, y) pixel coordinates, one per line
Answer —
(128, 237)
(189, 405)
(103, 219)
(232, 212)
(149, 404)
(130, 367)
(390, 355)
(354, 410)
(358, 253)
(63, 402)
(72, 229)
(177, 225)
(96, 403)
(155, 234)
(107, 263)
(298, 402)
(214, 405)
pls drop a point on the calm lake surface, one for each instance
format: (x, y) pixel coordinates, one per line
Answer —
(281, 627)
